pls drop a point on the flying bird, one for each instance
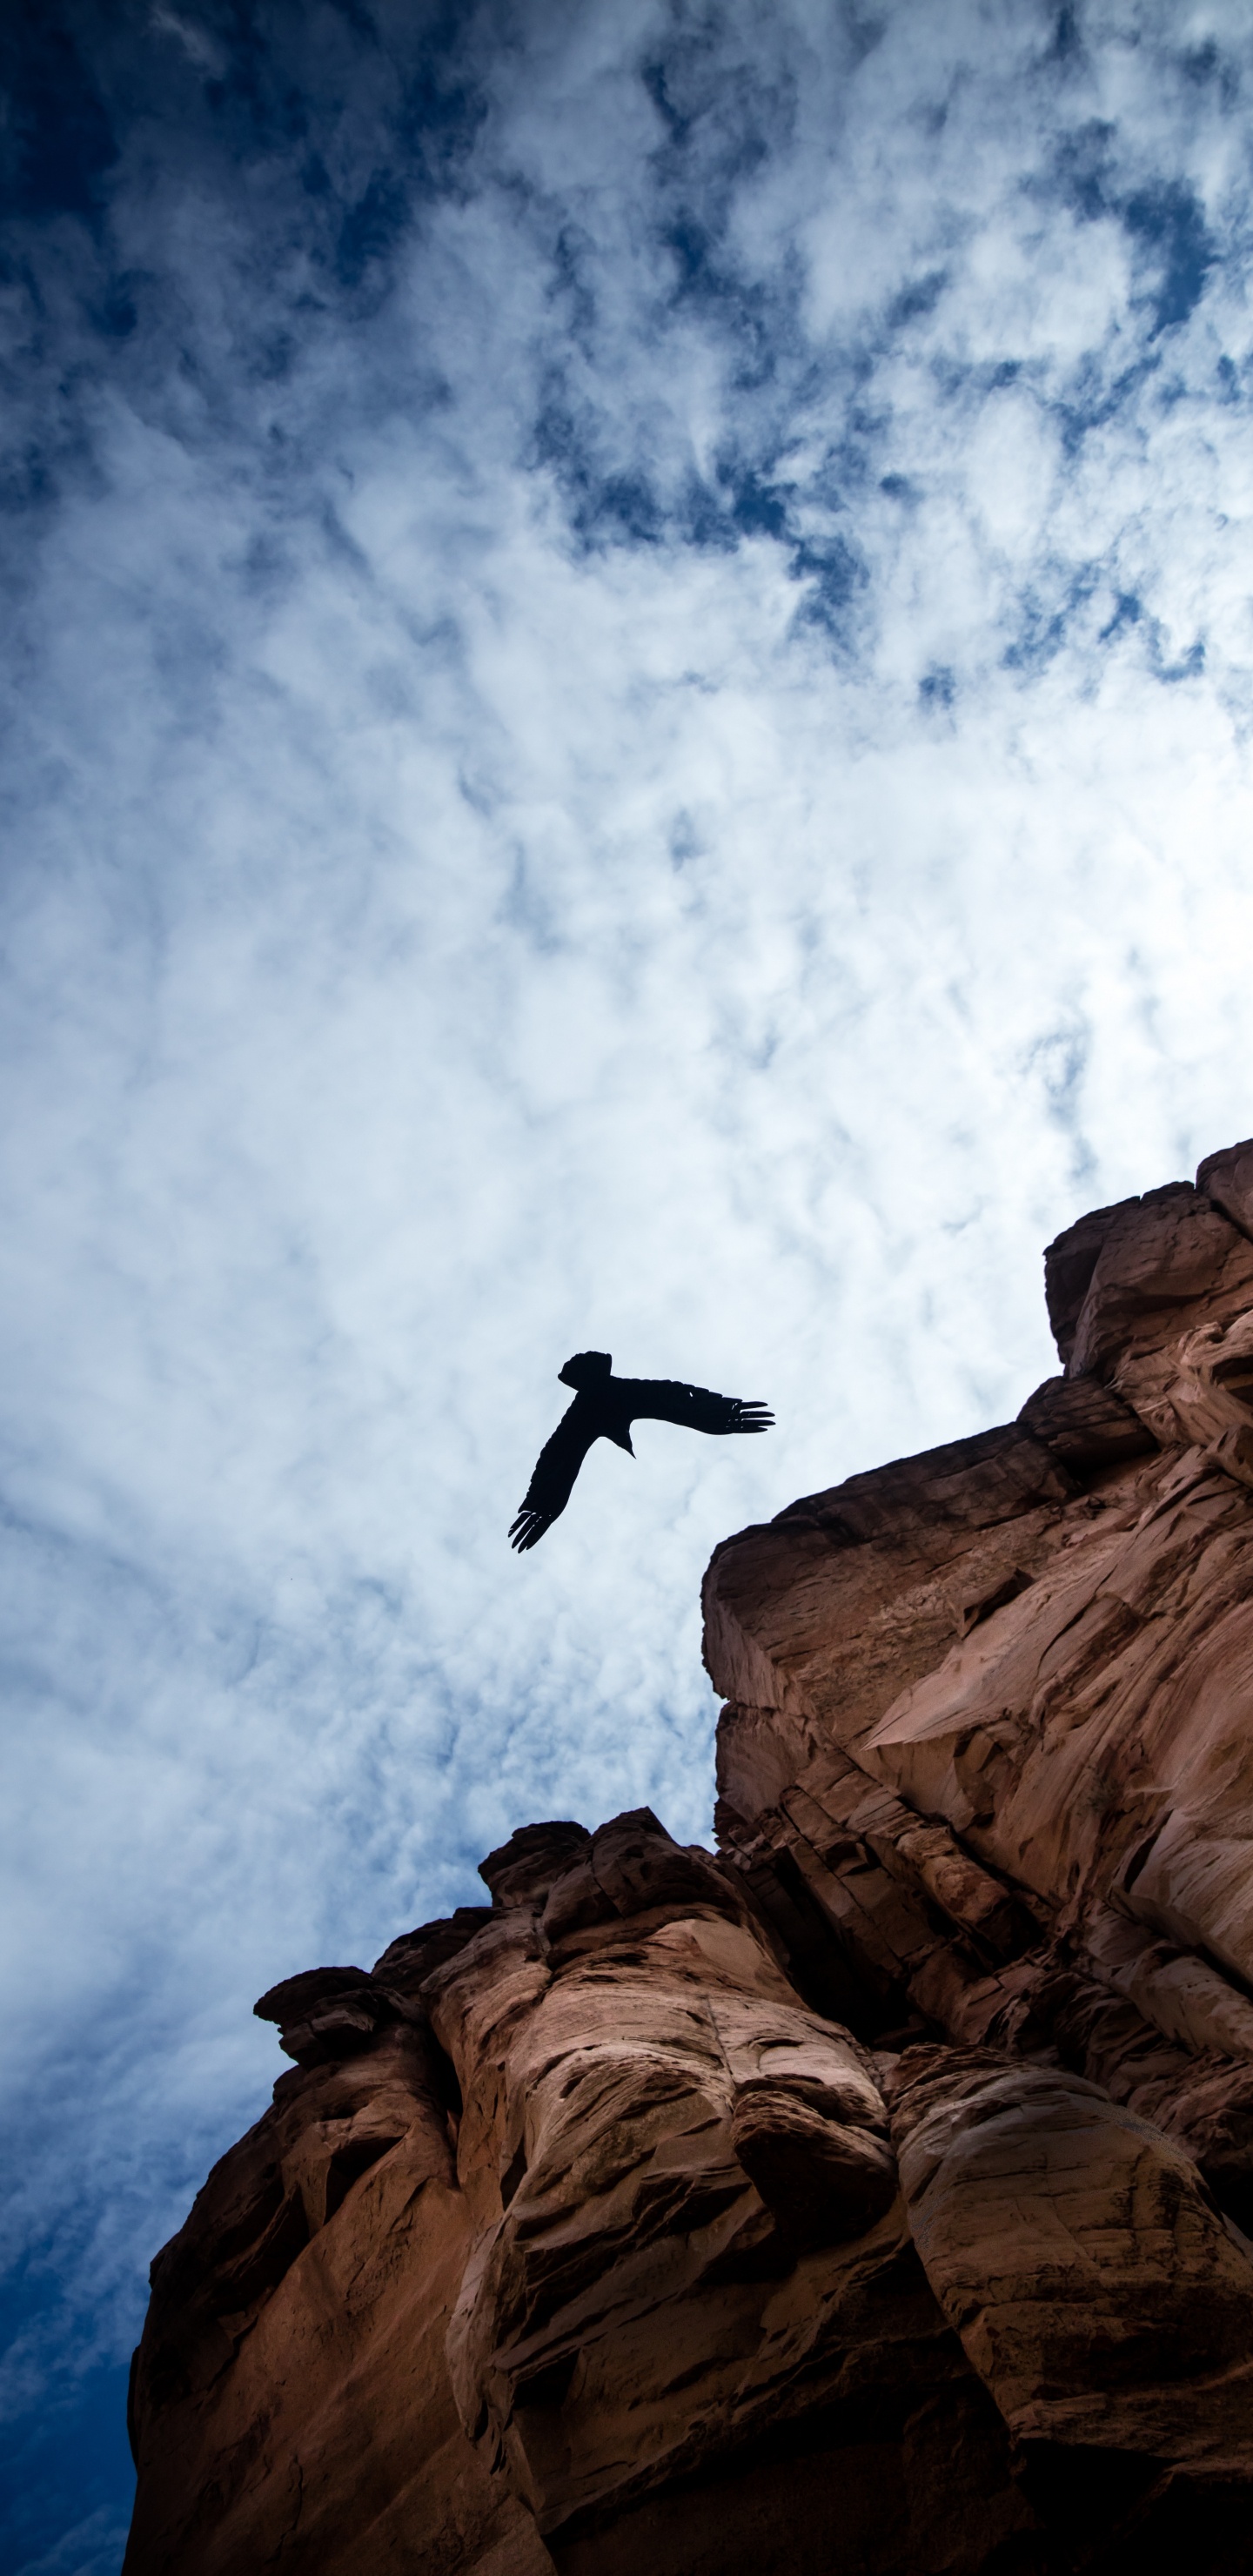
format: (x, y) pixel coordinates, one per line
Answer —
(604, 1408)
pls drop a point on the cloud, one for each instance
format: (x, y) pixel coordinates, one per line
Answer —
(627, 715)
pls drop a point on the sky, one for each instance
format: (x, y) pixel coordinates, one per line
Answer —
(627, 700)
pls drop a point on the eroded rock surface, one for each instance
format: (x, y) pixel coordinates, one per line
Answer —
(870, 2195)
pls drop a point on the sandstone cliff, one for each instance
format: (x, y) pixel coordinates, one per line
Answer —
(870, 2196)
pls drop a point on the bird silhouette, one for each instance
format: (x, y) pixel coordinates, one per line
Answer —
(604, 1408)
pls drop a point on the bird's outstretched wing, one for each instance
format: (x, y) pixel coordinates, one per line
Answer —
(662, 1399)
(556, 1467)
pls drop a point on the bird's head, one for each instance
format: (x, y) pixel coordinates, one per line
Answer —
(587, 1368)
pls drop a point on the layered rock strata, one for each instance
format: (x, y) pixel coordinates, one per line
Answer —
(869, 2195)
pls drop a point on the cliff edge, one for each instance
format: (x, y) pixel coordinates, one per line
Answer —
(872, 2194)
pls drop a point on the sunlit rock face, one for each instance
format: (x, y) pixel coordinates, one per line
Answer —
(868, 2196)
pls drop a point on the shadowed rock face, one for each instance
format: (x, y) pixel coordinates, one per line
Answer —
(871, 2195)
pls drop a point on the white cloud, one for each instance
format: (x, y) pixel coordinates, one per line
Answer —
(466, 909)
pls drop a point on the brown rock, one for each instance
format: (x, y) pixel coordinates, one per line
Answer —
(1226, 1179)
(574, 2238)
(325, 2014)
(617, 2226)
(1084, 1424)
(1095, 2288)
(682, 2265)
(822, 2179)
(1068, 1266)
(290, 2398)
(526, 1866)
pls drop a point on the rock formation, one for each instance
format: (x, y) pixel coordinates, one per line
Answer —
(870, 2196)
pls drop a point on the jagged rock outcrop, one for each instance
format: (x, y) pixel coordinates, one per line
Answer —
(871, 2194)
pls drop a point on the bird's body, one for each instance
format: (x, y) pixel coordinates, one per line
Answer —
(604, 1408)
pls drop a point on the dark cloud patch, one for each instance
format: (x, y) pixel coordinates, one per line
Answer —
(1207, 67)
(725, 113)
(690, 245)
(1067, 41)
(527, 910)
(756, 508)
(1167, 224)
(831, 575)
(255, 84)
(685, 842)
(1094, 401)
(1174, 246)
(917, 299)
(1127, 611)
(444, 104)
(56, 140)
(571, 290)
(116, 313)
(1046, 622)
(703, 519)
(678, 125)
(88, 2414)
(622, 506)
(720, 113)
(605, 504)
(372, 228)
(1082, 163)
(26, 479)
(1202, 63)
(314, 176)
(1061, 1059)
(1174, 667)
(609, 505)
